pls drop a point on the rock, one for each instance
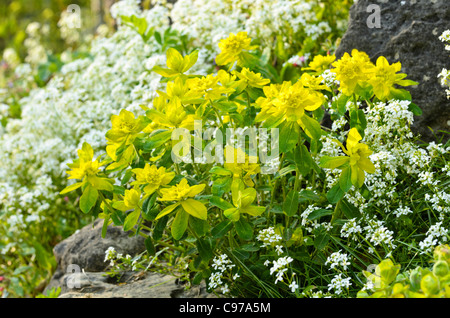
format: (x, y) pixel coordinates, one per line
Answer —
(409, 33)
(131, 285)
(86, 248)
(81, 271)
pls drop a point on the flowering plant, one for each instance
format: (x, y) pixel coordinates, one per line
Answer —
(242, 216)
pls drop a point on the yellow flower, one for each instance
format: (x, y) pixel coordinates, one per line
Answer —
(172, 115)
(294, 100)
(232, 47)
(385, 77)
(176, 63)
(357, 161)
(313, 82)
(252, 79)
(86, 169)
(152, 177)
(182, 192)
(242, 201)
(130, 201)
(125, 128)
(207, 87)
(320, 63)
(352, 71)
(241, 165)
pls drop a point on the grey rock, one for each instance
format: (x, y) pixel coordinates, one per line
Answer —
(89, 278)
(409, 33)
(131, 285)
(85, 249)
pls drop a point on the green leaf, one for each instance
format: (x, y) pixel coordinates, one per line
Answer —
(328, 162)
(345, 179)
(179, 224)
(220, 203)
(416, 110)
(321, 238)
(88, 199)
(150, 246)
(290, 205)
(147, 207)
(312, 126)
(289, 135)
(195, 208)
(131, 220)
(205, 250)
(244, 229)
(157, 139)
(341, 104)
(225, 106)
(307, 195)
(317, 214)
(358, 120)
(349, 210)
(167, 210)
(106, 222)
(200, 227)
(303, 159)
(335, 194)
(401, 94)
(160, 226)
(71, 188)
(221, 229)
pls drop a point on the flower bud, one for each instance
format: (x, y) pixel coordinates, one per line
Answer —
(440, 268)
(430, 284)
(415, 278)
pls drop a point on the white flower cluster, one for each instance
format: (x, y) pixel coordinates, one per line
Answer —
(268, 237)
(279, 267)
(338, 259)
(445, 74)
(339, 284)
(73, 107)
(435, 236)
(223, 266)
(207, 22)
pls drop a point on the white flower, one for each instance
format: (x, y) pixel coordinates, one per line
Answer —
(293, 286)
(338, 283)
(338, 259)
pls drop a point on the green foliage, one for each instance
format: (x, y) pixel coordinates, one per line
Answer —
(389, 282)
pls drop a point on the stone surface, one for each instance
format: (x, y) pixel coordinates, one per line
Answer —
(86, 250)
(409, 33)
(131, 285)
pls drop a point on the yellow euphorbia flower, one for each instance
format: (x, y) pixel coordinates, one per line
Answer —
(252, 79)
(242, 201)
(357, 161)
(172, 116)
(385, 77)
(176, 63)
(182, 193)
(352, 71)
(294, 100)
(130, 201)
(313, 82)
(86, 169)
(241, 165)
(232, 47)
(320, 63)
(125, 128)
(152, 177)
(207, 87)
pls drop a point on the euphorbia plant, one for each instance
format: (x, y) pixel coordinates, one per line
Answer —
(148, 185)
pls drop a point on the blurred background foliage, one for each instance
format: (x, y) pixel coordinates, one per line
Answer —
(16, 15)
